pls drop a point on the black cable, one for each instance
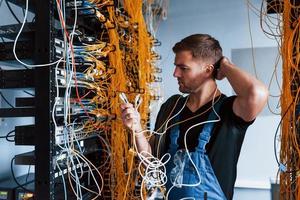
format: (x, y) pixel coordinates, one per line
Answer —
(12, 12)
(28, 171)
(276, 132)
(28, 93)
(16, 181)
(275, 136)
(3, 97)
(8, 136)
(25, 67)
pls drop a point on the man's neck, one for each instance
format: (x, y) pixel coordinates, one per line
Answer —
(203, 95)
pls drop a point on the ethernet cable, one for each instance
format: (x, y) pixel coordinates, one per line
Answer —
(17, 38)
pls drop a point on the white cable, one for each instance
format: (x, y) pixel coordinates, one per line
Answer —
(63, 180)
(167, 122)
(56, 100)
(187, 151)
(157, 166)
(154, 166)
(76, 161)
(70, 133)
(85, 160)
(156, 163)
(16, 40)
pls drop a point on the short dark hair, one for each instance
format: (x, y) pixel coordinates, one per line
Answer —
(202, 46)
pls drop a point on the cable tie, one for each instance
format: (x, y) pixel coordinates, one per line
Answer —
(282, 167)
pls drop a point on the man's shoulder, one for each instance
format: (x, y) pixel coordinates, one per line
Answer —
(227, 113)
(172, 100)
(175, 96)
(227, 101)
(168, 106)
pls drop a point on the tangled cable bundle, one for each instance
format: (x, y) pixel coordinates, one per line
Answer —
(284, 27)
(290, 103)
(89, 77)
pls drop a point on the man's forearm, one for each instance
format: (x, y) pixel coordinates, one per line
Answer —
(142, 144)
(244, 84)
(252, 94)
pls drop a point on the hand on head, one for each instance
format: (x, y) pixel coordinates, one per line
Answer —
(220, 71)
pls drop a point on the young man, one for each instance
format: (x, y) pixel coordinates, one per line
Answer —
(206, 130)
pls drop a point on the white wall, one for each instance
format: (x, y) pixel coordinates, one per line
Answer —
(227, 22)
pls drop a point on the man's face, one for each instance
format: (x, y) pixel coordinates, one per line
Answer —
(189, 71)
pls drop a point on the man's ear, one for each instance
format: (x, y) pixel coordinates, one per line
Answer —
(209, 69)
